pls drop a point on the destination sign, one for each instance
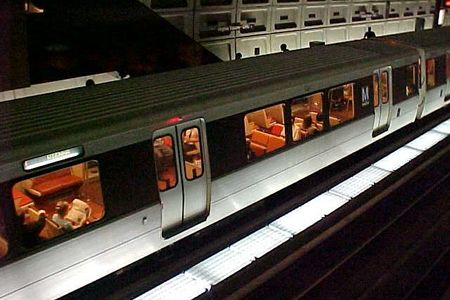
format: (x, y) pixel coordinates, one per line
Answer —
(51, 158)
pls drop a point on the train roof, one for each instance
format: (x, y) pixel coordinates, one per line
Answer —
(122, 113)
(436, 40)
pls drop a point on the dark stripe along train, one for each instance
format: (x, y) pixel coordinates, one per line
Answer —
(95, 178)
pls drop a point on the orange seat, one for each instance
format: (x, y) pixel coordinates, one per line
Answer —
(277, 129)
(274, 143)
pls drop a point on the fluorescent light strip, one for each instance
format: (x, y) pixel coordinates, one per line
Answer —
(260, 242)
(427, 140)
(372, 174)
(179, 287)
(352, 187)
(397, 159)
(219, 266)
(230, 260)
(443, 127)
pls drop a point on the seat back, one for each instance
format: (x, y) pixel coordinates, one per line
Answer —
(79, 212)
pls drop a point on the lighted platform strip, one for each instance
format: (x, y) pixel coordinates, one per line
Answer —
(201, 277)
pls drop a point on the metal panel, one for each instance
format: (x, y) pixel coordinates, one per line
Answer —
(208, 4)
(409, 9)
(314, 16)
(336, 35)
(253, 21)
(252, 46)
(407, 25)
(290, 39)
(395, 10)
(338, 14)
(378, 10)
(378, 28)
(359, 12)
(311, 36)
(214, 24)
(224, 49)
(356, 32)
(285, 18)
(391, 27)
(181, 20)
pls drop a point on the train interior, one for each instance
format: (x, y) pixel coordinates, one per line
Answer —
(307, 117)
(60, 201)
(341, 104)
(264, 130)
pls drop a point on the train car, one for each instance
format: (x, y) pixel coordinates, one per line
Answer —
(434, 70)
(95, 178)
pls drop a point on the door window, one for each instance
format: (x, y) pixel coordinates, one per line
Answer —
(385, 87)
(164, 154)
(431, 73)
(192, 153)
(376, 100)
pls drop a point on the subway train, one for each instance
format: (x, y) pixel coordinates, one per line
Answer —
(93, 179)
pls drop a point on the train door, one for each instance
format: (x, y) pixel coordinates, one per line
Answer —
(183, 175)
(382, 83)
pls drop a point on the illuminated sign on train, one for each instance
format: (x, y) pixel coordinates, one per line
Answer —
(51, 158)
(365, 96)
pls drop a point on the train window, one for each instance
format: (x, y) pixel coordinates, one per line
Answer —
(164, 156)
(307, 116)
(192, 153)
(431, 73)
(376, 100)
(341, 104)
(411, 80)
(264, 130)
(3, 240)
(384, 87)
(405, 83)
(58, 202)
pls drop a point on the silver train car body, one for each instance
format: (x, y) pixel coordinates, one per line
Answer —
(113, 122)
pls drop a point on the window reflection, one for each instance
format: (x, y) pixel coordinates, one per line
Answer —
(163, 152)
(307, 116)
(192, 153)
(60, 201)
(264, 131)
